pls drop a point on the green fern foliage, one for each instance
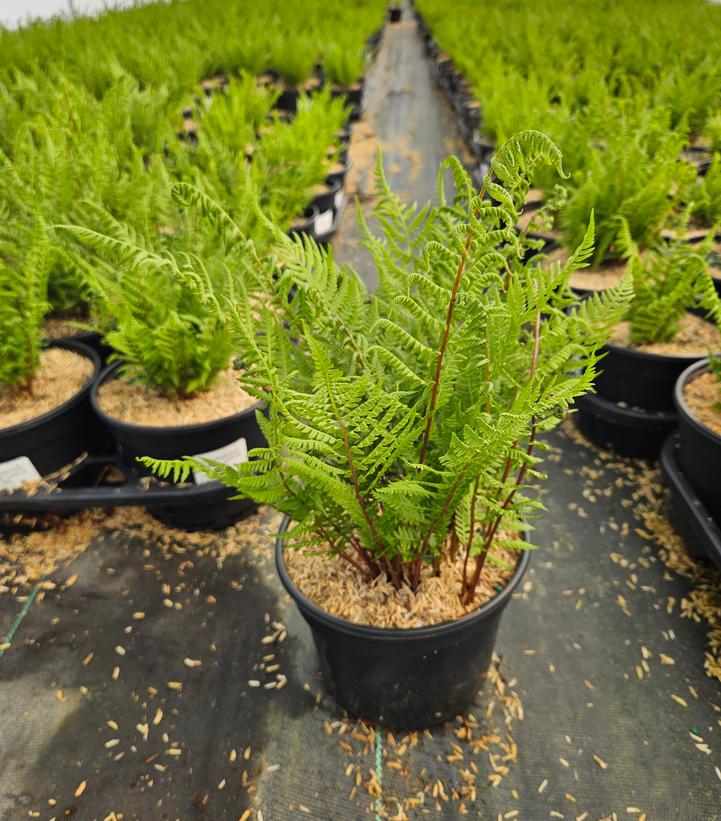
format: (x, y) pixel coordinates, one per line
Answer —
(714, 364)
(706, 195)
(634, 182)
(667, 283)
(23, 304)
(397, 419)
(159, 311)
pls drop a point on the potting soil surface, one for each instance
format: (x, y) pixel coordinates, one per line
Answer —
(162, 675)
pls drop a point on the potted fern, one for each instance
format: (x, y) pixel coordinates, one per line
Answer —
(697, 399)
(403, 430)
(172, 388)
(706, 213)
(45, 414)
(698, 402)
(344, 66)
(293, 59)
(664, 332)
(634, 181)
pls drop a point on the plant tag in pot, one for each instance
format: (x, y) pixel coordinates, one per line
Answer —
(323, 223)
(16, 472)
(230, 454)
(338, 199)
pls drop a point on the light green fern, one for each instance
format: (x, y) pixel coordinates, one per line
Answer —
(398, 419)
(668, 282)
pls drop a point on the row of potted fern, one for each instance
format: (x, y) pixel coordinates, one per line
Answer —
(95, 142)
(639, 126)
(173, 49)
(406, 481)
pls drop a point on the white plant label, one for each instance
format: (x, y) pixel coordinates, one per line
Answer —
(338, 199)
(324, 223)
(16, 472)
(231, 454)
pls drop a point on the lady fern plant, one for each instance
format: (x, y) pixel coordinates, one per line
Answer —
(402, 426)
(158, 310)
(633, 178)
(706, 194)
(667, 283)
(23, 304)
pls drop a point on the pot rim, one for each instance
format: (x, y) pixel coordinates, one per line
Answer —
(175, 430)
(333, 187)
(76, 347)
(307, 218)
(683, 409)
(646, 356)
(613, 412)
(395, 633)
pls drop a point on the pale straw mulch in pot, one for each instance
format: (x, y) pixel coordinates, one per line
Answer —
(695, 337)
(338, 588)
(62, 374)
(703, 397)
(138, 404)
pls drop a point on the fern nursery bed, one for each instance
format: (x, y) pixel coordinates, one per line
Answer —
(152, 663)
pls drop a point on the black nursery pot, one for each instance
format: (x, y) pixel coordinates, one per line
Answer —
(394, 14)
(59, 436)
(338, 176)
(640, 379)
(325, 200)
(94, 340)
(176, 442)
(353, 95)
(404, 679)
(91, 339)
(633, 407)
(288, 99)
(629, 431)
(306, 224)
(699, 454)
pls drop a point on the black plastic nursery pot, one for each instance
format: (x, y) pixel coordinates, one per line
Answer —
(91, 339)
(699, 453)
(404, 679)
(470, 117)
(629, 431)
(344, 135)
(640, 379)
(306, 223)
(699, 157)
(446, 73)
(339, 171)
(94, 340)
(633, 408)
(226, 440)
(353, 96)
(327, 204)
(394, 14)
(288, 99)
(701, 533)
(714, 260)
(374, 40)
(339, 154)
(481, 149)
(56, 438)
